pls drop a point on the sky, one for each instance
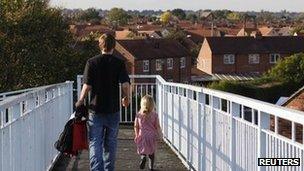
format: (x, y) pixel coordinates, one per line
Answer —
(236, 5)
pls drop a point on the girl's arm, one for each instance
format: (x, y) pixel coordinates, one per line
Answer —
(136, 127)
(160, 133)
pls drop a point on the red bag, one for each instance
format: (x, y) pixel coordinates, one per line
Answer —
(80, 138)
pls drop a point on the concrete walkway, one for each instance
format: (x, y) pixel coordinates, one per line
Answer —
(127, 158)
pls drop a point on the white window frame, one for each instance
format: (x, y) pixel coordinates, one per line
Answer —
(158, 65)
(183, 62)
(275, 56)
(254, 58)
(145, 65)
(229, 59)
(170, 63)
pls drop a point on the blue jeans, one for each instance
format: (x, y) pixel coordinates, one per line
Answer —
(103, 131)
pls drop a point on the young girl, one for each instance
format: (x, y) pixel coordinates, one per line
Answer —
(147, 131)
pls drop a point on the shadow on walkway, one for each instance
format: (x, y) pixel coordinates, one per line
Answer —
(126, 158)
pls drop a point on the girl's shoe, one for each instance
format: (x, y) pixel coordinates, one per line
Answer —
(142, 162)
(151, 161)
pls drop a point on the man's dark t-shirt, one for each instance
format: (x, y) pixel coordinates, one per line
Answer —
(104, 73)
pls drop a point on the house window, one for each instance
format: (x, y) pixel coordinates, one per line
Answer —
(254, 58)
(170, 63)
(183, 62)
(274, 57)
(146, 66)
(158, 64)
(229, 59)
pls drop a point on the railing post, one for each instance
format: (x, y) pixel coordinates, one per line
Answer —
(159, 100)
(188, 129)
(263, 124)
(163, 108)
(234, 112)
(200, 107)
(213, 104)
(70, 93)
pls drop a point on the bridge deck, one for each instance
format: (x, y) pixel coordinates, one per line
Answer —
(127, 158)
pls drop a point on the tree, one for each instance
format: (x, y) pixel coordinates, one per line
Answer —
(266, 16)
(179, 13)
(234, 16)
(118, 16)
(90, 14)
(178, 35)
(34, 43)
(289, 70)
(165, 17)
(282, 80)
(220, 14)
(192, 17)
(298, 29)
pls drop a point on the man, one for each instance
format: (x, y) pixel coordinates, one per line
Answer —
(102, 76)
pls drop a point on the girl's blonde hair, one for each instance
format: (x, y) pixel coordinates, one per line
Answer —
(147, 104)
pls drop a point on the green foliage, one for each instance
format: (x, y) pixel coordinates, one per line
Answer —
(234, 16)
(118, 16)
(165, 17)
(233, 87)
(34, 44)
(282, 80)
(179, 13)
(289, 70)
(192, 17)
(221, 14)
(90, 14)
(178, 35)
(298, 29)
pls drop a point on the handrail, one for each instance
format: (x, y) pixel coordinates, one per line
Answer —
(21, 97)
(282, 112)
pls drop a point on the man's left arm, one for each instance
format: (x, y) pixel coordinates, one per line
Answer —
(87, 82)
(84, 92)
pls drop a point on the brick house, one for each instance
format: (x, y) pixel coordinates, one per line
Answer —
(245, 55)
(164, 57)
(295, 101)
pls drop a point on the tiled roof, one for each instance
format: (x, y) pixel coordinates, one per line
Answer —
(294, 96)
(245, 45)
(154, 48)
(265, 30)
(122, 34)
(197, 35)
(145, 27)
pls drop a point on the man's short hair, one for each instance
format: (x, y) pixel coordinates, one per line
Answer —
(107, 42)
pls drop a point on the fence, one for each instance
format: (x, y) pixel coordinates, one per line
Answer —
(30, 123)
(140, 86)
(214, 130)
(13, 93)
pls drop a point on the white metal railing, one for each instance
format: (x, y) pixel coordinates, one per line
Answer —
(30, 123)
(13, 93)
(140, 86)
(215, 130)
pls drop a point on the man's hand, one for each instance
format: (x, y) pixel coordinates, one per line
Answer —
(79, 103)
(125, 102)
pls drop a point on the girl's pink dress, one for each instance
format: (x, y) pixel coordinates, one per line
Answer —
(147, 137)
